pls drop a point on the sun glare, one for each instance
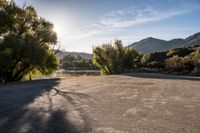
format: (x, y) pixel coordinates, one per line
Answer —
(57, 28)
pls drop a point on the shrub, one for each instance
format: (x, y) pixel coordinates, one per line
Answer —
(174, 64)
(154, 60)
(114, 58)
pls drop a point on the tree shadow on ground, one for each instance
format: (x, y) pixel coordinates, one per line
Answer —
(15, 117)
(162, 76)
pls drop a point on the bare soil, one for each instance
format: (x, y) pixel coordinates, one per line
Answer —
(129, 103)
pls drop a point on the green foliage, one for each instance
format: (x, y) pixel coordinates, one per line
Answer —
(196, 62)
(158, 59)
(70, 62)
(181, 64)
(175, 63)
(115, 59)
(132, 59)
(196, 57)
(26, 43)
(154, 60)
(185, 60)
(181, 52)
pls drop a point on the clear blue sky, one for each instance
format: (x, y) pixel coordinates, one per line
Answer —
(82, 24)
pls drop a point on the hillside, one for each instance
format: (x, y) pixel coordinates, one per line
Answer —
(61, 54)
(153, 44)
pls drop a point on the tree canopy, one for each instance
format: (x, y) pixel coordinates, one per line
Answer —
(26, 43)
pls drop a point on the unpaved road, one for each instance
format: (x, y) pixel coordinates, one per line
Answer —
(143, 103)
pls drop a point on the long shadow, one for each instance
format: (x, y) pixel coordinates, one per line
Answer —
(58, 124)
(15, 117)
(162, 76)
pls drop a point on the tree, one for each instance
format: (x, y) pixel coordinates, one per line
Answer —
(26, 43)
(114, 59)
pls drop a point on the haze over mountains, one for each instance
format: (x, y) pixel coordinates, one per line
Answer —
(150, 44)
(61, 54)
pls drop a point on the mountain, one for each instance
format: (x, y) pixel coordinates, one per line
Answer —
(61, 54)
(152, 44)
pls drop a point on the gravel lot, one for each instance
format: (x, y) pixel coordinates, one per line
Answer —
(129, 103)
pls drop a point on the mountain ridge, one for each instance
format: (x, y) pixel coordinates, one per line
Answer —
(151, 44)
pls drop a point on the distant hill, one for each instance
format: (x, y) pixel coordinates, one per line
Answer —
(152, 44)
(61, 54)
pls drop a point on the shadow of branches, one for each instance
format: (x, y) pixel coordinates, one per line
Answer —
(16, 117)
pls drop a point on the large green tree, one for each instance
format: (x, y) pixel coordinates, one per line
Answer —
(26, 43)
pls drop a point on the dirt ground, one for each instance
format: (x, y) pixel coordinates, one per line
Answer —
(129, 103)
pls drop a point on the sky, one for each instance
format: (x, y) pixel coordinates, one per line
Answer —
(83, 24)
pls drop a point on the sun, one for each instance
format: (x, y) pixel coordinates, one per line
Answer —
(62, 27)
(57, 28)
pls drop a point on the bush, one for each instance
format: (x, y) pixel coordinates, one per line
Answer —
(182, 60)
(187, 64)
(196, 62)
(114, 58)
(154, 60)
(181, 52)
(174, 64)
